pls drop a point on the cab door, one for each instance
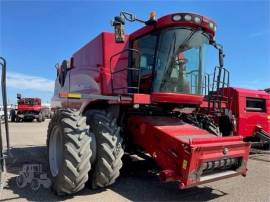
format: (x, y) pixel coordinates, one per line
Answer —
(145, 61)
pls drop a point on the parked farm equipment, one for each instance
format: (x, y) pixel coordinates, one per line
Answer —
(27, 109)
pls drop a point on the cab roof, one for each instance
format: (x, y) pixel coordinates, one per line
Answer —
(179, 20)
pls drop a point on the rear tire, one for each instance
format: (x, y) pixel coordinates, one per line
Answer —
(40, 117)
(109, 149)
(29, 120)
(17, 119)
(68, 151)
(225, 125)
(35, 185)
(21, 180)
(12, 115)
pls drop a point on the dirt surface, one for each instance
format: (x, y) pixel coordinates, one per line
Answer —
(137, 181)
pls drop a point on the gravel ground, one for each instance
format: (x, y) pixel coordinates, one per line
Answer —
(137, 182)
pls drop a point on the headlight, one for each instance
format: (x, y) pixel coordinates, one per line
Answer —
(197, 20)
(211, 25)
(177, 17)
(187, 17)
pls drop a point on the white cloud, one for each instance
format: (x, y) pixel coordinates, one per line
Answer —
(29, 82)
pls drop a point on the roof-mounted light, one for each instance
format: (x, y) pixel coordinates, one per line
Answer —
(187, 17)
(153, 15)
(211, 25)
(197, 20)
(177, 17)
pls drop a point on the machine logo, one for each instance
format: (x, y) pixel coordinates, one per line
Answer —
(32, 174)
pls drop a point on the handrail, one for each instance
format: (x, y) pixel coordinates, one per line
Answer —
(124, 69)
(221, 80)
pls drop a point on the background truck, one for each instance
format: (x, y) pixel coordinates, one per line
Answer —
(142, 94)
(27, 109)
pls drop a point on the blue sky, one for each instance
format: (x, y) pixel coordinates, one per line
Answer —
(35, 35)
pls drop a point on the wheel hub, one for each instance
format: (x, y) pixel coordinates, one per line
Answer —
(55, 151)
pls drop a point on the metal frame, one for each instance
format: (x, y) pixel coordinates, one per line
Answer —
(125, 69)
(221, 80)
(4, 98)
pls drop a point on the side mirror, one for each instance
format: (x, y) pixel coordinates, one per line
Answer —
(119, 32)
(19, 96)
(70, 64)
(57, 67)
(221, 55)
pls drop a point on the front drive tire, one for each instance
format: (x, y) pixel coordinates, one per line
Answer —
(109, 151)
(68, 151)
(21, 180)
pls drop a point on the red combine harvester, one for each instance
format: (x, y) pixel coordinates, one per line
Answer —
(142, 93)
(27, 109)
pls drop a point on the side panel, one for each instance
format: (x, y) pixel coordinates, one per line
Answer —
(86, 77)
(56, 101)
(91, 72)
(114, 62)
(29, 107)
(247, 120)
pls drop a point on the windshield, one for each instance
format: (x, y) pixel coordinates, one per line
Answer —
(180, 61)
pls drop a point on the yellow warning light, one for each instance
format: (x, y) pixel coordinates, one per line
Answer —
(63, 94)
(184, 165)
(70, 95)
(74, 95)
(153, 15)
